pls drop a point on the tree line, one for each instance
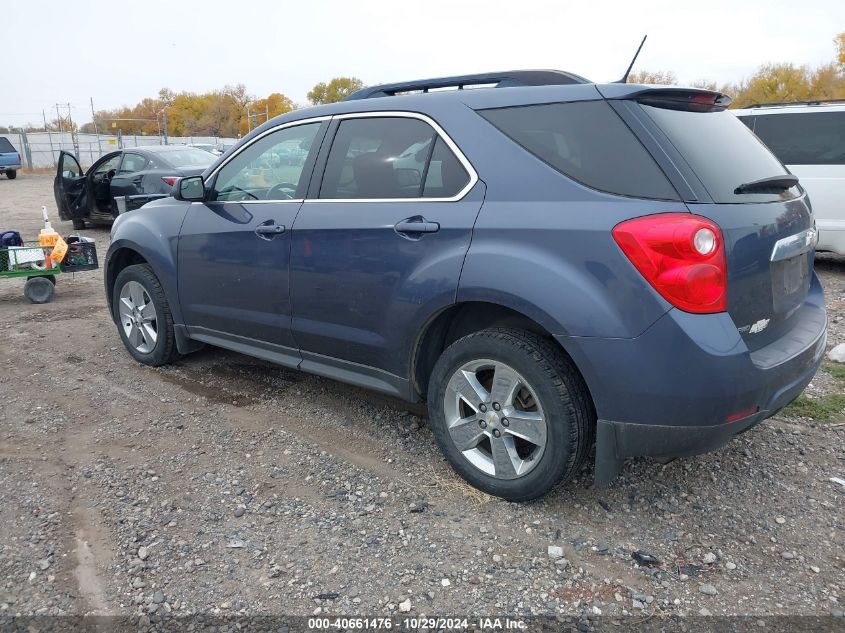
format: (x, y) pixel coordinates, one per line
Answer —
(772, 83)
(232, 111)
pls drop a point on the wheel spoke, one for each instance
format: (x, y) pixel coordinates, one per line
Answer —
(506, 462)
(149, 334)
(125, 307)
(529, 425)
(469, 389)
(134, 337)
(466, 433)
(505, 382)
(136, 293)
(148, 312)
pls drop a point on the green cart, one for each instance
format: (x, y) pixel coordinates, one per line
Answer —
(32, 263)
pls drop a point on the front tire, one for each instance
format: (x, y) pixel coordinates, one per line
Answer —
(78, 224)
(11, 174)
(143, 316)
(510, 412)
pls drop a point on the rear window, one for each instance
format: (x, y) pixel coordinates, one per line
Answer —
(6, 146)
(588, 142)
(804, 138)
(722, 152)
(187, 157)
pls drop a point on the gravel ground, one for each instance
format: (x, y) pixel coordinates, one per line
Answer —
(225, 485)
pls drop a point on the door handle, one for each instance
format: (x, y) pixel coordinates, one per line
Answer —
(268, 230)
(415, 226)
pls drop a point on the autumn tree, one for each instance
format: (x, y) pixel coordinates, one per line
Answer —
(336, 90)
(839, 40)
(663, 77)
(262, 110)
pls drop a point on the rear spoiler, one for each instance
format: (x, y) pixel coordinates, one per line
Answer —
(688, 99)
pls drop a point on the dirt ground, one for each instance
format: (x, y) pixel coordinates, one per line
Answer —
(225, 485)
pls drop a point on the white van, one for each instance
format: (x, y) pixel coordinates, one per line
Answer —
(809, 138)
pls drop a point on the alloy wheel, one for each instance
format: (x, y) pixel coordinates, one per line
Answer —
(138, 317)
(495, 419)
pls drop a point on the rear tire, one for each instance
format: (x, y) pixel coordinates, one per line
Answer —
(518, 374)
(11, 174)
(142, 314)
(78, 224)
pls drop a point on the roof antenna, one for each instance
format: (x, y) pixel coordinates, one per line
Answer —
(631, 65)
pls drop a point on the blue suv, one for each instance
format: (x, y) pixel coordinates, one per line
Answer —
(550, 263)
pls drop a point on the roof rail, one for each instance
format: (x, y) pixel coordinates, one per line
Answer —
(505, 79)
(808, 102)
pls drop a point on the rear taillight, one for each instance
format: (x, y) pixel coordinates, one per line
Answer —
(681, 255)
(170, 180)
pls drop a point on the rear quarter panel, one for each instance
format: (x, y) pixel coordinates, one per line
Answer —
(542, 244)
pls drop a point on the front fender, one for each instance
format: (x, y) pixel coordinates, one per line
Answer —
(153, 233)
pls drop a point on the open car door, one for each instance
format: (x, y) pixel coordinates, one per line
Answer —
(70, 189)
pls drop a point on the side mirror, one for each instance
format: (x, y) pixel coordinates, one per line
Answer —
(190, 188)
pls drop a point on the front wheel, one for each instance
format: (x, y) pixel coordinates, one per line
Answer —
(510, 412)
(78, 224)
(143, 317)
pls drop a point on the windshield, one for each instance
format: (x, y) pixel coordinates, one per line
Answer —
(722, 152)
(188, 157)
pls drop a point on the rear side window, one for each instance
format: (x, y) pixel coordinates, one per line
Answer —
(6, 146)
(390, 157)
(722, 152)
(804, 138)
(588, 142)
(132, 163)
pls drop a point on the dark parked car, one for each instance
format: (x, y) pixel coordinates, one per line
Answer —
(129, 178)
(545, 265)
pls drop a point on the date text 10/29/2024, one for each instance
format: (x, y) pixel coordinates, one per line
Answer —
(415, 623)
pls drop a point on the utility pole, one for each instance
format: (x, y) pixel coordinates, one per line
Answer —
(61, 127)
(164, 111)
(49, 138)
(96, 129)
(73, 139)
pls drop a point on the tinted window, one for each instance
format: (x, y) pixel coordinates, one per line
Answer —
(721, 151)
(804, 138)
(586, 141)
(268, 169)
(748, 120)
(132, 163)
(187, 157)
(5, 145)
(390, 158)
(445, 176)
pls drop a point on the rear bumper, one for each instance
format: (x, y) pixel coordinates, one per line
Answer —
(671, 391)
(12, 167)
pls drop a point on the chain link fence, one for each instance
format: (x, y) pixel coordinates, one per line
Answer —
(41, 149)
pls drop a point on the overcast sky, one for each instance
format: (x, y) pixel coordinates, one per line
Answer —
(120, 52)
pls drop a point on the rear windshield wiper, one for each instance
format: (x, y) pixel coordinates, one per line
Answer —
(768, 185)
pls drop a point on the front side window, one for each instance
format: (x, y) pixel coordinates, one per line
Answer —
(390, 158)
(106, 166)
(69, 167)
(269, 169)
(804, 138)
